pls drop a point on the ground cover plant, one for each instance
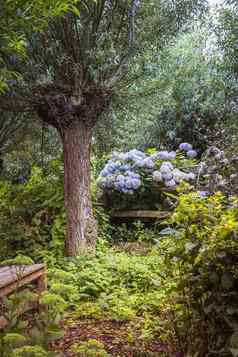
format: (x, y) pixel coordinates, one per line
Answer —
(159, 300)
(171, 293)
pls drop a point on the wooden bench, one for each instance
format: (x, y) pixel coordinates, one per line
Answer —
(16, 276)
(141, 214)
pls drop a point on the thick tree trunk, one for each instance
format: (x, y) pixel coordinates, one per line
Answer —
(81, 226)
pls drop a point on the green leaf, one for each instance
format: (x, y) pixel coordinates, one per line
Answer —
(190, 246)
(234, 344)
(227, 281)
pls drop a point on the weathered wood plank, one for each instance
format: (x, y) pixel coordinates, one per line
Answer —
(3, 322)
(7, 289)
(141, 214)
(14, 277)
(4, 269)
(12, 274)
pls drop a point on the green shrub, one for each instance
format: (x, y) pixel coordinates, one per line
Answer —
(133, 232)
(29, 351)
(91, 348)
(28, 213)
(32, 215)
(200, 252)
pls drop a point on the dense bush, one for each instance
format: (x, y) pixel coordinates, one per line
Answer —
(200, 250)
(32, 216)
(217, 170)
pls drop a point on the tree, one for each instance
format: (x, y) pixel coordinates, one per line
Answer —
(18, 19)
(75, 68)
(189, 92)
(25, 143)
(185, 94)
(227, 32)
(13, 129)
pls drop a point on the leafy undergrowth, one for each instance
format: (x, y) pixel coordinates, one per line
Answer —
(115, 297)
(180, 292)
(177, 297)
(117, 338)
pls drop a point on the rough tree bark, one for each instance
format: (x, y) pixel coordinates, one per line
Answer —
(81, 225)
(74, 118)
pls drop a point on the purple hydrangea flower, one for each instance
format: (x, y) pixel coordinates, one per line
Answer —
(185, 146)
(146, 163)
(105, 182)
(157, 176)
(172, 155)
(166, 167)
(125, 168)
(135, 155)
(167, 176)
(203, 194)
(162, 155)
(192, 154)
(178, 175)
(136, 183)
(171, 184)
(104, 173)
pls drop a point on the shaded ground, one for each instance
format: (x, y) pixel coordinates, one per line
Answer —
(118, 338)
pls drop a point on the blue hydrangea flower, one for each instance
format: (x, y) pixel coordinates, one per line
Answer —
(104, 173)
(185, 146)
(122, 171)
(136, 183)
(203, 194)
(125, 168)
(118, 156)
(128, 182)
(137, 153)
(162, 155)
(191, 154)
(167, 176)
(172, 155)
(132, 174)
(170, 184)
(146, 163)
(105, 182)
(166, 167)
(178, 175)
(157, 176)
(139, 163)
(120, 178)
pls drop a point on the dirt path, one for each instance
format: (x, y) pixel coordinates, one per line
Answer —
(117, 337)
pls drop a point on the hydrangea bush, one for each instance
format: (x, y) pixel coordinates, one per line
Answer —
(218, 171)
(136, 173)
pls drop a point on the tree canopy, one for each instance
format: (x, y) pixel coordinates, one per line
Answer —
(74, 66)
